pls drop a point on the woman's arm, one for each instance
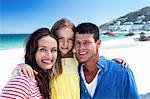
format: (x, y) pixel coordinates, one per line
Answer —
(17, 88)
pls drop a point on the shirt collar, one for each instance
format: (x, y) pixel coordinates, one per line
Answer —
(102, 62)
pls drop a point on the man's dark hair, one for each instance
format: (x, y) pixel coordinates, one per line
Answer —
(88, 28)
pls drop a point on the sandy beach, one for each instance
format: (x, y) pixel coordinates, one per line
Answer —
(137, 54)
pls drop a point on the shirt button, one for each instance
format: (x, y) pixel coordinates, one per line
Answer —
(85, 91)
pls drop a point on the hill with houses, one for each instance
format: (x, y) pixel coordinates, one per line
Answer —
(131, 22)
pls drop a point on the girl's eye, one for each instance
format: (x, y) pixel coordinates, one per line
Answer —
(60, 39)
(71, 40)
(42, 49)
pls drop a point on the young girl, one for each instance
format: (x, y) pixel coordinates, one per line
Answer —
(65, 85)
(41, 55)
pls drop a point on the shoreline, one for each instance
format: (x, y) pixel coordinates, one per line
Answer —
(135, 53)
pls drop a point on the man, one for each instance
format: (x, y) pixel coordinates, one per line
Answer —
(100, 78)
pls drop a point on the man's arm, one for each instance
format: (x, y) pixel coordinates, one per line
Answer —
(130, 87)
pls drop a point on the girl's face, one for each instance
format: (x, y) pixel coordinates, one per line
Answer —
(46, 54)
(65, 39)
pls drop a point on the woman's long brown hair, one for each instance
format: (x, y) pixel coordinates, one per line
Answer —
(43, 78)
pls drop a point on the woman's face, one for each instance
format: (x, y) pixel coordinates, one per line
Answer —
(65, 39)
(46, 54)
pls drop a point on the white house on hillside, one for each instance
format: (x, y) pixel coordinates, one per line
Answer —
(113, 27)
(125, 26)
(137, 26)
(147, 26)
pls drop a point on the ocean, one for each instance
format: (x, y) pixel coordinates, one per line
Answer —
(13, 41)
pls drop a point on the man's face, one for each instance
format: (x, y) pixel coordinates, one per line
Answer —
(85, 46)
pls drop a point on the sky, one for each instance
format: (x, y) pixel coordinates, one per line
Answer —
(25, 16)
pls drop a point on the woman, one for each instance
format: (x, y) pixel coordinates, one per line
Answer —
(41, 55)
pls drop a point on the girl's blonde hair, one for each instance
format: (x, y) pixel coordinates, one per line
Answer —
(64, 22)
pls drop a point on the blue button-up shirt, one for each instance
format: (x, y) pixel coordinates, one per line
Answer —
(114, 82)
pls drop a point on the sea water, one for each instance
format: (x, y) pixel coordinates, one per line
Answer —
(13, 41)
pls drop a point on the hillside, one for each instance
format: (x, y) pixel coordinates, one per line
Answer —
(140, 16)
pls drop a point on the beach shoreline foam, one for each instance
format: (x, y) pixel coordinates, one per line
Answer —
(135, 53)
